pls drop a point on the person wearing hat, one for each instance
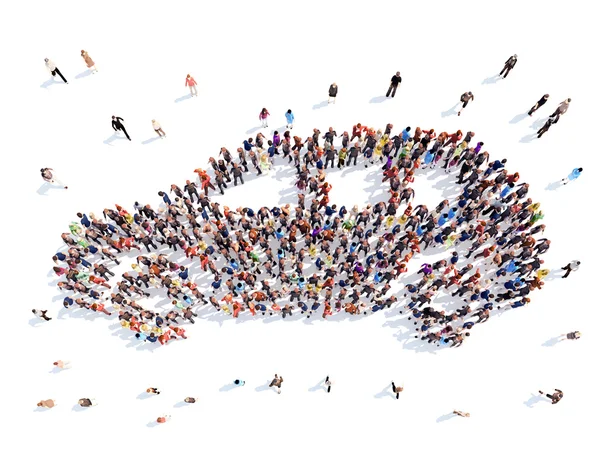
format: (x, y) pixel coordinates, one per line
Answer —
(509, 65)
(394, 82)
(333, 90)
(465, 99)
(53, 69)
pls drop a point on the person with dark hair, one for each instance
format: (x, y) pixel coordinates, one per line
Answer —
(276, 382)
(41, 314)
(53, 69)
(572, 176)
(555, 397)
(238, 382)
(562, 108)
(152, 390)
(539, 104)
(465, 99)
(509, 65)
(49, 177)
(117, 125)
(190, 400)
(572, 336)
(289, 117)
(394, 82)
(573, 266)
(86, 402)
(333, 90)
(551, 121)
(328, 384)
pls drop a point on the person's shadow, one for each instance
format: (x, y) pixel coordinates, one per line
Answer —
(319, 386)
(533, 400)
(518, 118)
(183, 97)
(386, 392)
(551, 342)
(528, 138)
(149, 141)
(114, 137)
(254, 129)
(144, 395)
(152, 424)
(538, 123)
(227, 387)
(83, 74)
(264, 387)
(451, 111)
(445, 417)
(379, 99)
(46, 84)
(323, 104)
(554, 185)
(491, 80)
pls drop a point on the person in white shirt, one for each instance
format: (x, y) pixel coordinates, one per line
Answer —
(62, 364)
(158, 128)
(53, 69)
(573, 266)
(49, 177)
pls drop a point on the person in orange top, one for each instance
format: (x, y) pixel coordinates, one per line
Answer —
(164, 338)
(100, 308)
(237, 308)
(191, 83)
(97, 280)
(357, 131)
(179, 331)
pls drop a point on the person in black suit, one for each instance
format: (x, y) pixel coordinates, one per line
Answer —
(394, 82)
(117, 125)
(509, 65)
(539, 103)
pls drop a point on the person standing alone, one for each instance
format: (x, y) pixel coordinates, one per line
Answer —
(572, 176)
(263, 115)
(394, 82)
(509, 65)
(117, 125)
(333, 90)
(191, 83)
(573, 266)
(158, 128)
(89, 62)
(53, 69)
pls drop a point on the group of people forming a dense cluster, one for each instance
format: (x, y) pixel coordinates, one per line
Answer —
(317, 258)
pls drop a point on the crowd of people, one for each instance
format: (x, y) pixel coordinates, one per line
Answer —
(318, 258)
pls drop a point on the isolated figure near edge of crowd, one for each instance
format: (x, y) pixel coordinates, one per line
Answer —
(89, 62)
(394, 82)
(49, 177)
(54, 70)
(191, 83)
(333, 91)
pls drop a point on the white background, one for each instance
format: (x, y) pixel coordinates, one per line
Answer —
(284, 55)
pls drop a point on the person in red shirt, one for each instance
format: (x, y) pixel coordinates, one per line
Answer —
(357, 131)
(191, 83)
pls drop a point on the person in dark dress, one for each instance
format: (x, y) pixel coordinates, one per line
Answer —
(539, 104)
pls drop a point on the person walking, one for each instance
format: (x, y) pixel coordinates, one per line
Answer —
(41, 314)
(333, 90)
(572, 176)
(87, 402)
(190, 400)
(509, 65)
(539, 104)
(555, 397)
(572, 336)
(465, 99)
(163, 418)
(191, 83)
(152, 390)
(62, 364)
(289, 117)
(158, 129)
(562, 108)
(49, 177)
(89, 62)
(264, 114)
(461, 414)
(54, 70)
(551, 121)
(396, 390)
(573, 266)
(328, 384)
(117, 125)
(394, 82)
(238, 382)
(277, 383)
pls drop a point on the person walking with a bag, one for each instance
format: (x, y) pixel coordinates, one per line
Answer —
(465, 99)
(333, 90)
(191, 83)
(54, 70)
(509, 65)
(117, 125)
(394, 82)
(89, 62)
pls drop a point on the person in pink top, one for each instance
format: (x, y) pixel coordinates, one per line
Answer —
(189, 81)
(263, 117)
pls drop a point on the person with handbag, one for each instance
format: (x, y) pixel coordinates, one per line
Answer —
(54, 70)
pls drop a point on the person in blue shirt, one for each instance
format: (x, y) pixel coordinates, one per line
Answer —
(151, 338)
(248, 144)
(289, 117)
(165, 197)
(183, 273)
(406, 134)
(572, 176)
(84, 220)
(498, 164)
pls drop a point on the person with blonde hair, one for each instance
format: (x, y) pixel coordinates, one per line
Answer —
(158, 128)
(89, 62)
(191, 83)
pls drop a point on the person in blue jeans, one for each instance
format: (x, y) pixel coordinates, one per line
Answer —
(572, 176)
(289, 117)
